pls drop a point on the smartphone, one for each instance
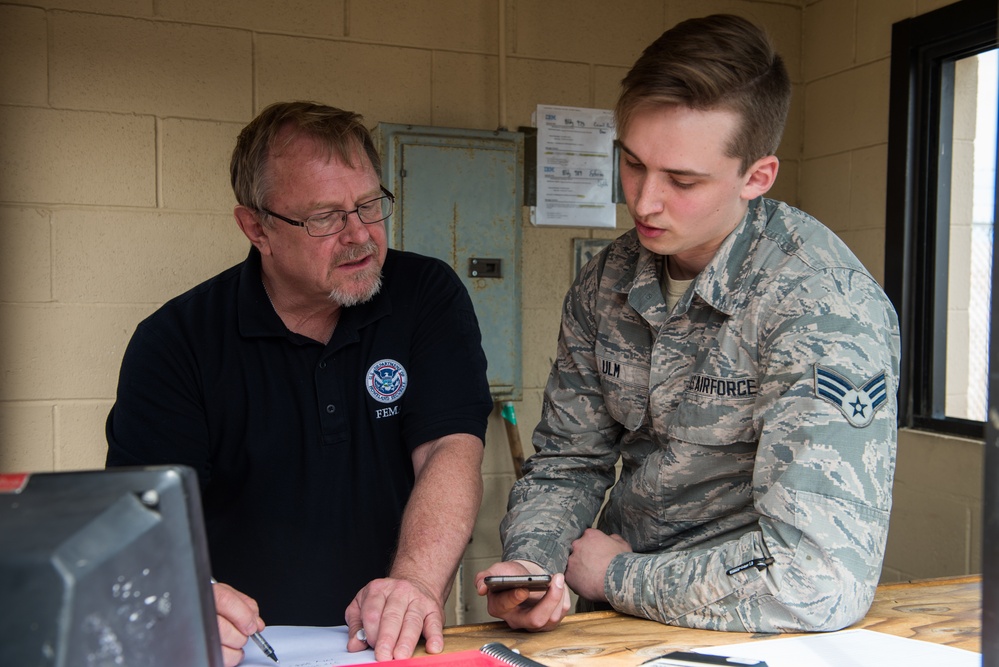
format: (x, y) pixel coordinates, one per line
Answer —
(691, 659)
(505, 582)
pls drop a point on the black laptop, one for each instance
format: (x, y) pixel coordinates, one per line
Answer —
(105, 568)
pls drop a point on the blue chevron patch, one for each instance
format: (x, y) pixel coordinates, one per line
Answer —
(858, 404)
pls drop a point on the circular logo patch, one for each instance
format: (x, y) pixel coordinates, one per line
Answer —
(386, 380)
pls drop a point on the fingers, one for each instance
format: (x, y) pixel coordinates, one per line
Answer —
(231, 657)
(433, 632)
(393, 614)
(402, 624)
(506, 567)
(522, 611)
(356, 638)
(238, 617)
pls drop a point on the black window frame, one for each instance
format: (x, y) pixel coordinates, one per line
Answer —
(923, 52)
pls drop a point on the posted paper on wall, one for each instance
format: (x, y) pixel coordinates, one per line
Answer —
(575, 167)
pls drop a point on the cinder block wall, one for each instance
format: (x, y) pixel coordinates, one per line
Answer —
(117, 118)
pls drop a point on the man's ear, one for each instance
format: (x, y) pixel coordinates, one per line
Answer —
(249, 222)
(760, 177)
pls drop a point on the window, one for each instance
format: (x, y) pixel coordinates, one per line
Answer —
(941, 212)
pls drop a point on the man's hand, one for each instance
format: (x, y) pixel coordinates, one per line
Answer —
(523, 609)
(238, 618)
(394, 613)
(591, 555)
(436, 525)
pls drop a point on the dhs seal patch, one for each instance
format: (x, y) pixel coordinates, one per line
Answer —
(386, 380)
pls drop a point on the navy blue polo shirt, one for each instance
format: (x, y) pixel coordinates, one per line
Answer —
(302, 449)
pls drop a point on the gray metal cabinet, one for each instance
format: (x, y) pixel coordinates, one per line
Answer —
(458, 197)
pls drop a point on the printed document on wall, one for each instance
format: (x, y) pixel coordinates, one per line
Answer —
(575, 167)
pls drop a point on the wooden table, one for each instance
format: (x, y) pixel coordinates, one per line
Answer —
(945, 611)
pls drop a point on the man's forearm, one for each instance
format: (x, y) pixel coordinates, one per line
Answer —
(441, 512)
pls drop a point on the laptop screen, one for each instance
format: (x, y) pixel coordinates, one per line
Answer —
(105, 567)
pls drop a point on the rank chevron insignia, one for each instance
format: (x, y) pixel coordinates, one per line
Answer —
(858, 405)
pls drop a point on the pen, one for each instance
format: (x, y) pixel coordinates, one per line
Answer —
(259, 640)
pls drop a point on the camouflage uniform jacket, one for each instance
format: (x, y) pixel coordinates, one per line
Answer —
(755, 424)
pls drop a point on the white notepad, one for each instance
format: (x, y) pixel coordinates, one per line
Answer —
(303, 646)
(849, 648)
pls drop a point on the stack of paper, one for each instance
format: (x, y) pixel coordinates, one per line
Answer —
(849, 648)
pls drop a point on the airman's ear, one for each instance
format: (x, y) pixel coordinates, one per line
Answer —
(760, 177)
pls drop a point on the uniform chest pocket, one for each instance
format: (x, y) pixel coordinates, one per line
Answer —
(716, 412)
(625, 386)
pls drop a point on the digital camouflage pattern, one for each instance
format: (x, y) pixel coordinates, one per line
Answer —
(756, 421)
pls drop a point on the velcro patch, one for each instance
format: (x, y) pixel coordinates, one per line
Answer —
(858, 404)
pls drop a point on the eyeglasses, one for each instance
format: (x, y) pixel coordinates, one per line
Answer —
(333, 222)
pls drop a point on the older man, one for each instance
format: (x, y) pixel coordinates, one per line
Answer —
(330, 392)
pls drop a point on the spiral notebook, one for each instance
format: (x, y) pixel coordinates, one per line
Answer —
(491, 655)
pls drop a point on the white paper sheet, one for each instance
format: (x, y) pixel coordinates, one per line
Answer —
(849, 648)
(575, 167)
(302, 646)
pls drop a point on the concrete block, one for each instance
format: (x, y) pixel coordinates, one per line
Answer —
(890, 575)
(80, 443)
(873, 82)
(587, 31)
(624, 219)
(959, 251)
(117, 7)
(152, 67)
(794, 128)
(924, 6)
(23, 56)
(383, 83)
(911, 548)
(868, 176)
(956, 373)
(466, 91)
(607, 85)
(947, 464)
(975, 541)
(26, 272)
(832, 40)
(195, 164)
(787, 187)
(874, 24)
(76, 157)
(824, 190)
(485, 537)
(26, 437)
(540, 335)
(847, 111)
(547, 265)
(300, 17)
(40, 361)
(443, 25)
(146, 256)
(534, 82)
